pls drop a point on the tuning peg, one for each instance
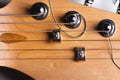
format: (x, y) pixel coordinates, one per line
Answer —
(3, 3)
(106, 28)
(12, 74)
(40, 9)
(55, 35)
(72, 17)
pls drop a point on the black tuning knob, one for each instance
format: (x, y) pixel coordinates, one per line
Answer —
(106, 28)
(3, 3)
(39, 9)
(72, 17)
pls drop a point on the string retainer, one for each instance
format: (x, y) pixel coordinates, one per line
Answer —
(55, 35)
(79, 54)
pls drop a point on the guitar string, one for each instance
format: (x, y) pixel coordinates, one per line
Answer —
(49, 49)
(55, 58)
(53, 15)
(41, 23)
(111, 49)
(18, 15)
(47, 58)
(45, 40)
(28, 31)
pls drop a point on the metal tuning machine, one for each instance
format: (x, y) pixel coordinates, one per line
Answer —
(106, 28)
(73, 20)
(39, 9)
(72, 17)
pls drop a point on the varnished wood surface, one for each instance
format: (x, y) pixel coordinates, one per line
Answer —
(51, 62)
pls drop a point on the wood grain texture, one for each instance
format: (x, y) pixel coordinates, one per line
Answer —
(58, 64)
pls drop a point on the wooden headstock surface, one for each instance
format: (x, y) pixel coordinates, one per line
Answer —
(45, 60)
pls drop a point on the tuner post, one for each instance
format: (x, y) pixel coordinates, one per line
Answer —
(73, 19)
(39, 9)
(106, 28)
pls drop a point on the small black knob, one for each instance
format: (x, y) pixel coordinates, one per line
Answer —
(40, 9)
(106, 28)
(3, 3)
(72, 17)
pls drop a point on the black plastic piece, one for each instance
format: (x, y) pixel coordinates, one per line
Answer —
(106, 28)
(89, 2)
(55, 35)
(72, 17)
(3, 3)
(40, 9)
(79, 54)
(12, 74)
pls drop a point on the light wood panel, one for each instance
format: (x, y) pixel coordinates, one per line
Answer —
(58, 64)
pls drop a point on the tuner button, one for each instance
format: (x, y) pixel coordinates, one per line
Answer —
(72, 17)
(106, 28)
(3, 3)
(40, 9)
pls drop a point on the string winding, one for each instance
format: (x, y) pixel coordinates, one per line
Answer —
(111, 50)
(59, 26)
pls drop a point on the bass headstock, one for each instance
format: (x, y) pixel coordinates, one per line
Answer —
(56, 34)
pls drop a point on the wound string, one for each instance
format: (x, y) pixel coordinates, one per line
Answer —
(111, 51)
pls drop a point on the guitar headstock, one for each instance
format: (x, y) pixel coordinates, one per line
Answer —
(58, 30)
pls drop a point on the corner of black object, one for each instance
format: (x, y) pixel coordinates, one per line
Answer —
(55, 35)
(106, 28)
(72, 17)
(40, 9)
(12, 74)
(4, 3)
(79, 54)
